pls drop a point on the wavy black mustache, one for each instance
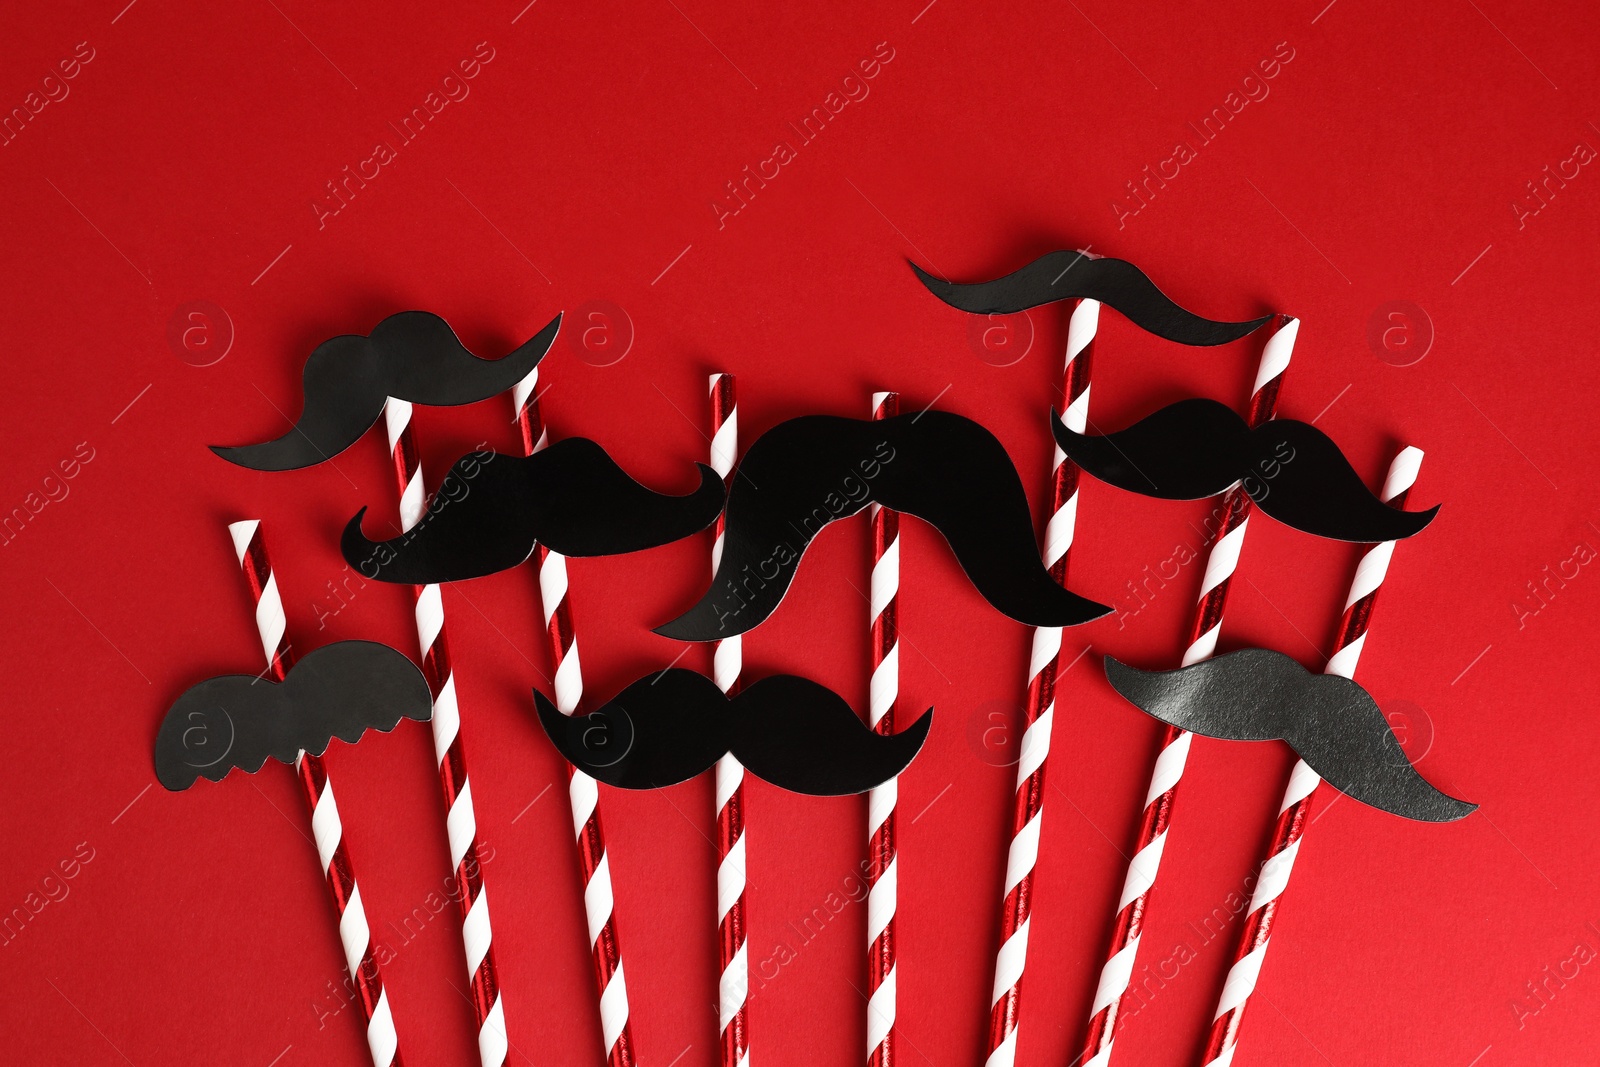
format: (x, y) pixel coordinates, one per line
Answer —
(1198, 448)
(1331, 723)
(413, 356)
(944, 469)
(670, 726)
(492, 508)
(1116, 283)
(238, 720)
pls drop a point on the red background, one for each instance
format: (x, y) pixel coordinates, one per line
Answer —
(1383, 165)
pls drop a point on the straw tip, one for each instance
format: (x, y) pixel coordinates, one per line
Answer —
(1403, 471)
(241, 532)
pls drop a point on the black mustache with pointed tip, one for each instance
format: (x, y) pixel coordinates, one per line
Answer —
(239, 720)
(492, 508)
(413, 356)
(670, 726)
(807, 472)
(1116, 283)
(1331, 722)
(1199, 448)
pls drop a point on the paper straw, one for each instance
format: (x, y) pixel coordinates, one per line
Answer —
(1027, 813)
(582, 791)
(461, 822)
(1221, 563)
(882, 862)
(1294, 813)
(354, 932)
(733, 987)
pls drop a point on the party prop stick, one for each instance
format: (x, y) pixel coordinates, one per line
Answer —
(1260, 694)
(461, 821)
(239, 721)
(354, 932)
(1199, 447)
(938, 466)
(582, 791)
(672, 725)
(1027, 815)
(1221, 563)
(727, 660)
(1293, 816)
(882, 867)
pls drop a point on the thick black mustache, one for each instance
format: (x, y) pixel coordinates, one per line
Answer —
(491, 509)
(944, 469)
(1198, 448)
(413, 356)
(1116, 283)
(668, 727)
(1331, 722)
(238, 720)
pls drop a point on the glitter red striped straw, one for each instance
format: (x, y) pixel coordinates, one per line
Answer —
(461, 821)
(733, 986)
(1027, 813)
(582, 790)
(354, 932)
(882, 859)
(1221, 563)
(1294, 815)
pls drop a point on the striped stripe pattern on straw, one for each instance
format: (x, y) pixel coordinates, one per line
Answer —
(582, 790)
(1027, 817)
(354, 933)
(461, 822)
(1294, 814)
(882, 857)
(733, 987)
(1221, 564)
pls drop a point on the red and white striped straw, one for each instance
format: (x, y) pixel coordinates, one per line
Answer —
(1221, 563)
(733, 987)
(582, 790)
(461, 822)
(1294, 814)
(354, 932)
(1027, 814)
(883, 869)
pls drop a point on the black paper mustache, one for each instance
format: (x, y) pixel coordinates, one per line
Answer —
(492, 507)
(944, 469)
(1198, 448)
(238, 720)
(1331, 723)
(413, 356)
(1116, 283)
(670, 726)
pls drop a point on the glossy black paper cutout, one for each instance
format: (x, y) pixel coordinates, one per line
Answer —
(945, 469)
(1116, 283)
(1199, 448)
(1332, 723)
(492, 507)
(238, 720)
(413, 356)
(672, 725)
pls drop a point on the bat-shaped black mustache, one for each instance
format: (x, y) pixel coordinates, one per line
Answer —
(1116, 283)
(669, 726)
(1198, 448)
(1331, 722)
(492, 507)
(945, 469)
(238, 720)
(413, 356)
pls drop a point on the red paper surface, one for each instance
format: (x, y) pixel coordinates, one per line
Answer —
(1383, 161)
